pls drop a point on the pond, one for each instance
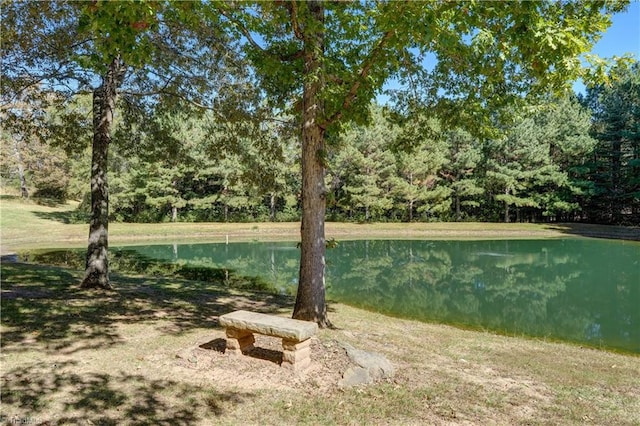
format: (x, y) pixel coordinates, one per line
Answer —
(580, 290)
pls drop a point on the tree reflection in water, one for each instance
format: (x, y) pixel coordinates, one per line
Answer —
(580, 290)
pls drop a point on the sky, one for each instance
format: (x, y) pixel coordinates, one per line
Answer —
(622, 37)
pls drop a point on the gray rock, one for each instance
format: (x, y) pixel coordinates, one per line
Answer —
(376, 364)
(355, 376)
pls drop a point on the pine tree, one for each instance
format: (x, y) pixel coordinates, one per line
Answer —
(461, 170)
(616, 162)
(365, 166)
(420, 155)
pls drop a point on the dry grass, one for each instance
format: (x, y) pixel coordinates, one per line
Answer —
(28, 225)
(151, 353)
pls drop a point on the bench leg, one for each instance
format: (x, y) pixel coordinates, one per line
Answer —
(296, 355)
(239, 341)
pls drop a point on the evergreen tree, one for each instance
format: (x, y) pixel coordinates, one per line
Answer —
(615, 168)
(461, 170)
(534, 167)
(564, 125)
(420, 155)
(364, 168)
(513, 162)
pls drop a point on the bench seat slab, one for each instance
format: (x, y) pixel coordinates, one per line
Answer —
(287, 328)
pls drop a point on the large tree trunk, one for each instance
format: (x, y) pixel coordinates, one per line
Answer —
(310, 299)
(104, 100)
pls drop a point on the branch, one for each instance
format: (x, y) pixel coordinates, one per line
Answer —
(362, 75)
(293, 13)
(247, 34)
(179, 96)
(243, 30)
(160, 91)
(55, 77)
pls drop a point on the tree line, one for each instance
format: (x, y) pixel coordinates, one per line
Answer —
(574, 158)
(281, 92)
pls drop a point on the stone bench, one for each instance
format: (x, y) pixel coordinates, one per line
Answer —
(295, 334)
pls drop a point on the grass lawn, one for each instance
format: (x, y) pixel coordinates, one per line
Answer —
(27, 225)
(152, 352)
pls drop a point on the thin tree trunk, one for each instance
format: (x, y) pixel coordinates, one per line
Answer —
(104, 99)
(174, 208)
(310, 299)
(411, 200)
(506, 208)
(272, 205)
(411, 210)
(23, 180)
(617, 203)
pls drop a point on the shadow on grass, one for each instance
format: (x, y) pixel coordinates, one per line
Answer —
(108, 399)
(66, 217)
(43, 306)
(630, 233)
(130, 262)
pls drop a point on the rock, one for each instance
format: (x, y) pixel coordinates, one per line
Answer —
(355, 376)
(377, 366)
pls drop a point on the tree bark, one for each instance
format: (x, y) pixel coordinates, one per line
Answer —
(272, 205)
(310, 299)
(506, 212)
(23, 180)
(616, 203)
(411, 201)
(411, 210)
(104, 100)
(174, 208)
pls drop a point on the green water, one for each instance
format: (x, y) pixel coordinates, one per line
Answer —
(579, 290)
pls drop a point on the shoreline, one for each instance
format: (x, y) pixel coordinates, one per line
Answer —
(25, 226)
(125, 234)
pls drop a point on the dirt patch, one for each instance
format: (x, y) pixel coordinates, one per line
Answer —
(260, 369)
